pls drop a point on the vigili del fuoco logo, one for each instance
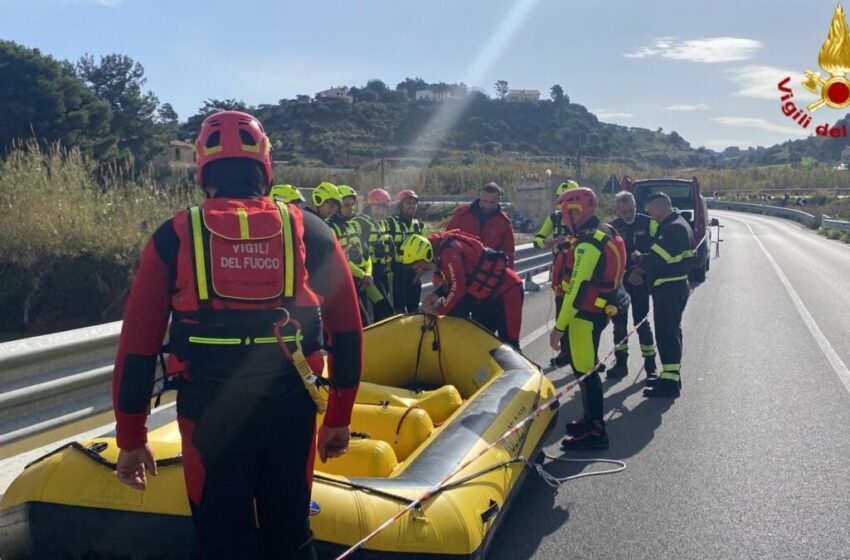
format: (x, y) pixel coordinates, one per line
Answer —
(834, 90)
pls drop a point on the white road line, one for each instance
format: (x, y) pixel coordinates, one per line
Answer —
(807, 234)
(830, 353)
(534, 335)
(542, 280)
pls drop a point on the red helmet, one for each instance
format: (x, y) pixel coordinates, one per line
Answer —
(577, 206)
(379, 196)
(232, 134)
(405, 194)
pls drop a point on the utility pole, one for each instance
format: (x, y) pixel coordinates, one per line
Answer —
(382, 168)
(578, 157)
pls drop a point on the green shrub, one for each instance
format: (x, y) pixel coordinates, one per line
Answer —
(69, 241)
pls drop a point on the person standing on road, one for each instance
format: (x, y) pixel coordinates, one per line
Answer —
(637, 231)
(664, 268)
(222, 271)
(359, 259)
(553, 235)
(407, 285)
(476, 280)
(485, 220)
(593, 293)
(372, 229)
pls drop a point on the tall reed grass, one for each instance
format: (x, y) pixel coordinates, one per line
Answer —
(56, 202)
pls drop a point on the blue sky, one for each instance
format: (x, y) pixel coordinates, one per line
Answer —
(707, 70)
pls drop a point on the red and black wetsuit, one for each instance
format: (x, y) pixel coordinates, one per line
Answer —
(246, 420)
(477, 281)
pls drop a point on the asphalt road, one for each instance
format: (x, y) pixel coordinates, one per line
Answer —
(753, 460)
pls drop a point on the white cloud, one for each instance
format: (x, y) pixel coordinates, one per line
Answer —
(761, 82)
(697, 107)
(710, 49)
(761, 124)
(605, 114)
(106, 3)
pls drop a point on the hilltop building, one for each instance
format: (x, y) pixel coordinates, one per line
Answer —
(335, 94)
(523, 95)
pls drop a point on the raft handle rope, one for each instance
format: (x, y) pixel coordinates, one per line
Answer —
(429, 324)
(438, 487)
(311, 381)
(363, 488)
(93, 452)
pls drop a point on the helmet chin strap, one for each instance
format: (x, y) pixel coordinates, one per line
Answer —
(572, 226)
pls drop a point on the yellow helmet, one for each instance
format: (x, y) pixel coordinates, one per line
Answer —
(345, 191)
(325, 191)
(416, 248)
(566, 186)
(286, 192)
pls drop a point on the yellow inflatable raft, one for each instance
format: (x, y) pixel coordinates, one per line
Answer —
(70, 504)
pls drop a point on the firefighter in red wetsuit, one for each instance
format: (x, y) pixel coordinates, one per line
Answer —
(476, 280)
(590, 272)
(222, 271)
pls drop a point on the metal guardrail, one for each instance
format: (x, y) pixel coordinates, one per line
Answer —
(456, 198)
(47, 381)
(779, 211)
(805, 218)
(829, 223)
(51, 380)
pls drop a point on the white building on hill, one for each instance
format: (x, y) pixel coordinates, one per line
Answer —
(336, 94)
(523, 95)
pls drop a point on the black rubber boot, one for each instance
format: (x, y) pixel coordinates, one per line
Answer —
(306, 551)
(651, 370)
(578, 426)
(561, 360)
(594, 437)
(621, 368)
(665, 388)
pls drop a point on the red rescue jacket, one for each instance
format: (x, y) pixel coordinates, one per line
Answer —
(494, 230)
(470, 268)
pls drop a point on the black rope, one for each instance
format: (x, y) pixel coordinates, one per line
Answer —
(482, 472)
(363, 488)
(437, 346)
(422, 330)
(94, 450)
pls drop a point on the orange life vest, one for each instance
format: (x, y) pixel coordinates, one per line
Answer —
(484, 268)
(603, 287)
